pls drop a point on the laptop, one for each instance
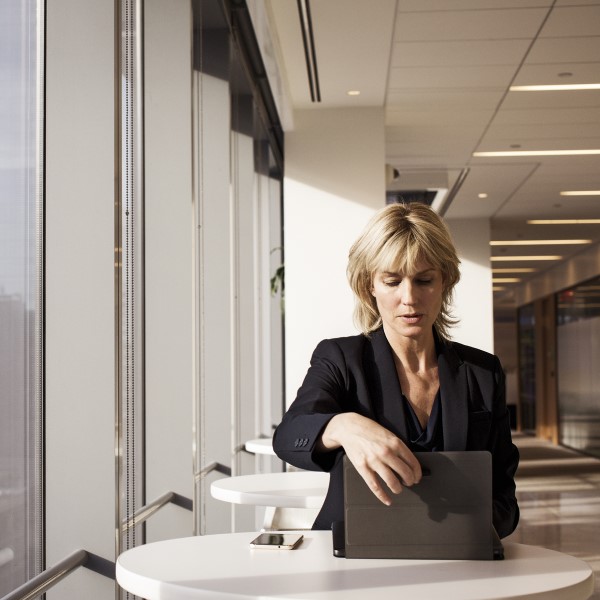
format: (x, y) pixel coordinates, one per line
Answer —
(447, 515)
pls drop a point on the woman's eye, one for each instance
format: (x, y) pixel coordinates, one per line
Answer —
(423, 281)
(392, 283)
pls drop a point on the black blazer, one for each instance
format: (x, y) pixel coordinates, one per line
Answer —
(357, 374)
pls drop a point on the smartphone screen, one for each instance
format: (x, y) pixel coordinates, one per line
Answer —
(285, 541)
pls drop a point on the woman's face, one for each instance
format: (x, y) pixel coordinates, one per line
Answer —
(409, 303)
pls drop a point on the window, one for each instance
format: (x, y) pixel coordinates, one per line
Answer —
(578, 331)
(21, 292)
(527, 381)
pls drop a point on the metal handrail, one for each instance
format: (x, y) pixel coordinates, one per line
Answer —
(145, 512)
(214, 466)
(39, 584)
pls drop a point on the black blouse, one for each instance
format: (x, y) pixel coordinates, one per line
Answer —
(430, 439)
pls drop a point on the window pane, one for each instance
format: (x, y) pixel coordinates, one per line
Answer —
(527, 380)
(578, 331)
(20, 292)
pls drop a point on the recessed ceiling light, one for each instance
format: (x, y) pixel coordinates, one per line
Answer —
(482, 195)
(523, 258)
(537, 153)
(563, 221)
(506, 280)
(514, 270)
(353, 92)
(554, 88)
(537, 242)
(581, 193)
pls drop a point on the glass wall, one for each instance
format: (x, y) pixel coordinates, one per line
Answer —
(21, 289)
(238, 172)
(578, 332)
(527, 379)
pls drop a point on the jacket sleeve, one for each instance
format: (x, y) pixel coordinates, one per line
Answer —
(505, 459)
(319, 399)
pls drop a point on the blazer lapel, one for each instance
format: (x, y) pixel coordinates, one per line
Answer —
(385, 388)
(454, 396)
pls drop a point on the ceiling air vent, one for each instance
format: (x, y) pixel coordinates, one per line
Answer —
(434, 188)
(310, 55)
(406, 196)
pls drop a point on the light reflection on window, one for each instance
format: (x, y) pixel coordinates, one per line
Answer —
(21, 174)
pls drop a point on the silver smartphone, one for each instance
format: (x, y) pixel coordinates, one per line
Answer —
(283, 541)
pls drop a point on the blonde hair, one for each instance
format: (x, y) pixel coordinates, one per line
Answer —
(396, 239)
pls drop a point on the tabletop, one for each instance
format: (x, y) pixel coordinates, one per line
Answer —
(260, 446)
(293, 489)
(224, 567)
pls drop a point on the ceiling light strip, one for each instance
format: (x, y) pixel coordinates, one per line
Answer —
(563, 222)
(537, 153)
(555, 88)
(581, 193)
(310, 54)
(538, 242)
(524, 258)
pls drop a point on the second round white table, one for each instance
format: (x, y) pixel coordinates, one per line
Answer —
(293, 489)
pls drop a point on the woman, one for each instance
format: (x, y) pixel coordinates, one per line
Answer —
(401, 386)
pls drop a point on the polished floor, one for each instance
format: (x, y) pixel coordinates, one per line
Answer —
(559, 496)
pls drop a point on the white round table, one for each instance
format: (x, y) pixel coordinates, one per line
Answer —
(224, 567)
(260, 446)
(293, 489)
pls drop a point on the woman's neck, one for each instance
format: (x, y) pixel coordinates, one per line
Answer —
(416, 355)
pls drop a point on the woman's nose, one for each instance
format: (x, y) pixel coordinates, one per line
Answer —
(407, 292)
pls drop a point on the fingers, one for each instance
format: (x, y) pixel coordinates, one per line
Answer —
(375, 485)
(386, 474)
(382, 459)
(384, 480)
(407, 466)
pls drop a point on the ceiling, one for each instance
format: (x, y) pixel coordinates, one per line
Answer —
(442, 69)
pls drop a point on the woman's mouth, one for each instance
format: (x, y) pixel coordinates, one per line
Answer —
(412, 318)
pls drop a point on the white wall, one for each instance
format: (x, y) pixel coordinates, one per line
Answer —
(169, 271)
(334, 182)
(473, 296)
(80, 385)
(214, 259)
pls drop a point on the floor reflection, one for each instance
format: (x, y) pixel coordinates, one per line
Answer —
(559, 495)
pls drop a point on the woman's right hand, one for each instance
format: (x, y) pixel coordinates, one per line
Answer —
(376, 452)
